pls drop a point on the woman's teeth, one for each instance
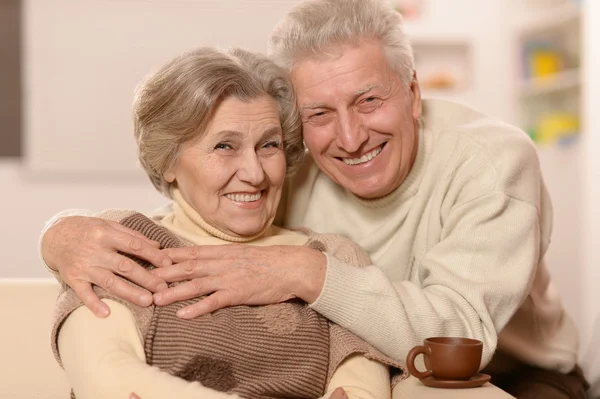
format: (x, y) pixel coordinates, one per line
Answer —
(364, 158)
(244, 197)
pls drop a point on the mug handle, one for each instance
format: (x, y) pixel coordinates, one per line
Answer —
(410, 361)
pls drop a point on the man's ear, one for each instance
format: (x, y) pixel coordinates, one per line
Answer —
(415, 95)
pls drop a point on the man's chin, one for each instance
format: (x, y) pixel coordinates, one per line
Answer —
(371, 188)
(367, 193)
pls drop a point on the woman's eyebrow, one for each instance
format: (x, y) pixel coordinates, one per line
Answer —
(274, 131)
(229, 134)
(234, 134)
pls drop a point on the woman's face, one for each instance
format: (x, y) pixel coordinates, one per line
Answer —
(233, 174)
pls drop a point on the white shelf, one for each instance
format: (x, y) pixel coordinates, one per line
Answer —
(565, 80)
(551, 19)
(424, 34)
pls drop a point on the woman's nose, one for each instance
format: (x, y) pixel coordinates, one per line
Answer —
(251, 170)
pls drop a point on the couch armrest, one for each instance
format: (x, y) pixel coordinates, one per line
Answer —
(412, 388)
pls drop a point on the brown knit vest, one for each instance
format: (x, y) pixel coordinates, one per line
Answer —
(285, 350)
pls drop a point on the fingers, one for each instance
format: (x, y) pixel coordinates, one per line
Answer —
(139, 235)
(84, 291)
(213, 302)
(123, 266)
(89, 250)
(119, 287)
(188, 290)
(185, 270)
(339, 393)
(178, 255)
(130, 242)
(134, 396)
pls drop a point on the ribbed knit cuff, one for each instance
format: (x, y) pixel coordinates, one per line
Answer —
(341, 299)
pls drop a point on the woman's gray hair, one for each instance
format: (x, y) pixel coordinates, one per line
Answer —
(175, 104)
(315, 27)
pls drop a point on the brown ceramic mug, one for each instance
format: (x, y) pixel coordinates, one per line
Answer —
(447, 358)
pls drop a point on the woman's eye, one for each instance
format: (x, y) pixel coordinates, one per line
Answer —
(270, 147)
(222, 146)
(272, 144)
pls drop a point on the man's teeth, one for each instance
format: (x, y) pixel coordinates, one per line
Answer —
(244, 197)
(364, 158)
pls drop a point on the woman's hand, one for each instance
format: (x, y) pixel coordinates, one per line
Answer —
(238, 274)
(85, 251)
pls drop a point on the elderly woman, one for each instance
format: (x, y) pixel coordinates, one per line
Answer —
(217, 133)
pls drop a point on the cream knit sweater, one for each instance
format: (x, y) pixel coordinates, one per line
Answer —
(458, 248)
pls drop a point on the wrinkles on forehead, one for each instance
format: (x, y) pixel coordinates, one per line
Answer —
(319, 82)
(237, 135)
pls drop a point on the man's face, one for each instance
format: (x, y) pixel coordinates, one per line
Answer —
(359, 120)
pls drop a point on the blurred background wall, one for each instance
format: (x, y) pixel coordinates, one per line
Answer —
(68, 69)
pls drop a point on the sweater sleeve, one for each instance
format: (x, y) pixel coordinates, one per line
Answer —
(104, 358)
(468, 284)
(361, 378)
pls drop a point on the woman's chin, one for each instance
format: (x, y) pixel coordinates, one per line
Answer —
(247, 231)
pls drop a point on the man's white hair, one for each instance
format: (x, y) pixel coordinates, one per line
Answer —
(316, 27)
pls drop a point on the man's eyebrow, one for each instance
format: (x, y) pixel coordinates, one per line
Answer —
(356, 94)
(313, 106)
(367, 89)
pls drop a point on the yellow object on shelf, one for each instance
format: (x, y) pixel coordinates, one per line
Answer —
(557, 127)
(545, 63)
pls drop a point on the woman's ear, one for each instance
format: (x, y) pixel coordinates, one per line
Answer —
(169, 175)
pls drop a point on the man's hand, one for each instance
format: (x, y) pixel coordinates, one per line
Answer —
(238, 274)
(84, 250)
(339, 393)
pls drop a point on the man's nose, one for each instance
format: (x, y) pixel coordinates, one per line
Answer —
(351, 135)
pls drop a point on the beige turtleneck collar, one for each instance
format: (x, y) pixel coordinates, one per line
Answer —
(186, 223)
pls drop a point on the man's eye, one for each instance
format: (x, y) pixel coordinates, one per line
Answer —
(371, 100)
(319, 117)
(369, 104)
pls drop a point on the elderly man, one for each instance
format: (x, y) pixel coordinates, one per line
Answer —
(449, 203)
